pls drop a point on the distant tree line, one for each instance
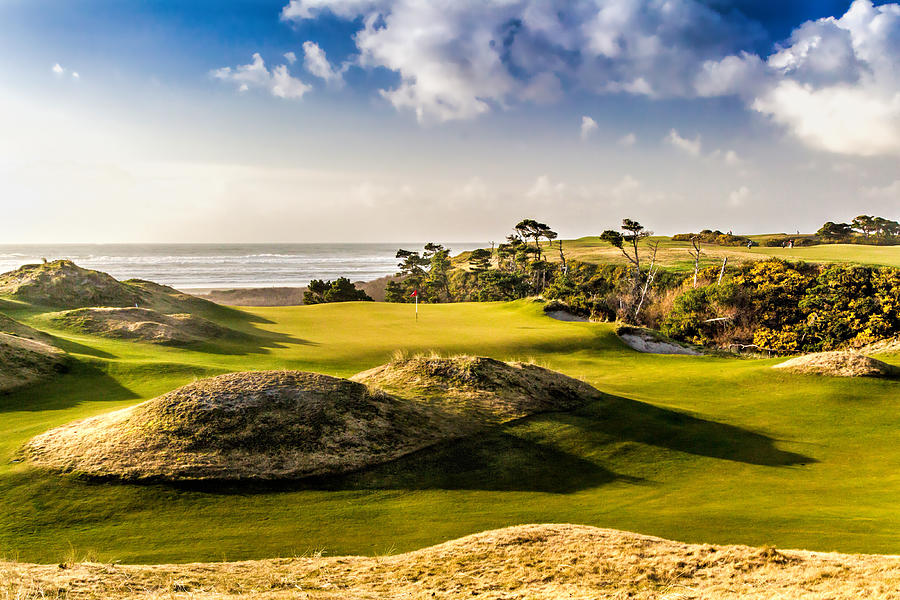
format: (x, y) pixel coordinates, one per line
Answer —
(770, 305)
(864, 229)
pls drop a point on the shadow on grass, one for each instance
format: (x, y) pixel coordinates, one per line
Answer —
(624, 419)
(82, 382)
(247, 337)
(76, 348)
(551, 453)
(557, 453)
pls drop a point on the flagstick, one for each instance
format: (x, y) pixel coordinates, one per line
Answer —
(417, 306)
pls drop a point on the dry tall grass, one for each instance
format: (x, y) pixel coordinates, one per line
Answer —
(525, 562)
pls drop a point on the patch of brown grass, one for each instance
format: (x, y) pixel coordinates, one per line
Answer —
(140, 324)
(529, 561)
(480, 388)
(24, 361)
(270, 425)
(839, 364)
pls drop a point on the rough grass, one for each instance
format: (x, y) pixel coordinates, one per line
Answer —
(676, 254)
(838, 364)
(25, 361)
(529, 561)
(700, 449)
(62, 284)
(288, 424)
(139, 324)
(480, 388)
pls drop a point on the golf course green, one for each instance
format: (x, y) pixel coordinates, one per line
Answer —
(695, 448)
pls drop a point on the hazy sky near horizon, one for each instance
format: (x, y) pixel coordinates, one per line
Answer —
(383, 120)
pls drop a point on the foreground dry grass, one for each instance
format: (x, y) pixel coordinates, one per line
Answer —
(529, 561)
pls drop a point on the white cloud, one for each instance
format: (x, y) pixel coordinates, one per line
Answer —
(458, 60)
(277, 82)
(741, 75)
(588, 126)
(290, 57)
(739, 196)
(628, 140)
(835, 84)
(57, 69)
(75, 75)
(315, 62)
(546, 189)
(692, 147)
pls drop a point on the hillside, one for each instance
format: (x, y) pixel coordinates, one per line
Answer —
(139, 324)
(25, 361)
(705, 449)
(62, 284)
(674, 254)
(528, 561)
(289, 424)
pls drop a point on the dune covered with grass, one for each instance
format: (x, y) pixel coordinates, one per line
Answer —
(25, 361)
(838, 364)
(270, 425)
(139, 324)
(516, 563)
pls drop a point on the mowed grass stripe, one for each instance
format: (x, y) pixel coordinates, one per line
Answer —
(700, 449)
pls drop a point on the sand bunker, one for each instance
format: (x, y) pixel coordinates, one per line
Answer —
(839, 364)
(289, 424)
(140, 324)
(24, 361)
(646, 340)
(527, 561)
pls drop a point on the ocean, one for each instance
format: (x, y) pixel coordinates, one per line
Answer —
(197, 266)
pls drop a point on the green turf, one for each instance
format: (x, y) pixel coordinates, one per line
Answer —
(700, 449)
(675, 255)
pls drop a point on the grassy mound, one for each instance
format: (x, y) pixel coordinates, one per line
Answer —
(24, 361)
(140, 324)
(256, 425)
(21, 330)
(487, 389)
(527, 561)
(289, 424)
(839, 364)
(63, 284)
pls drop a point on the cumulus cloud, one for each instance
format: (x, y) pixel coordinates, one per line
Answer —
(57, 69)
(834, 83)
(315, 61)
(588, 126)
(290, 57)
(458, 60)
(692, 147)
(277, 81)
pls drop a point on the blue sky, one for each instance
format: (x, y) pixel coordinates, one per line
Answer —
(377, 120)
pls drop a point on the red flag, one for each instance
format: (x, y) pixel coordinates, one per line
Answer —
(415, 293)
